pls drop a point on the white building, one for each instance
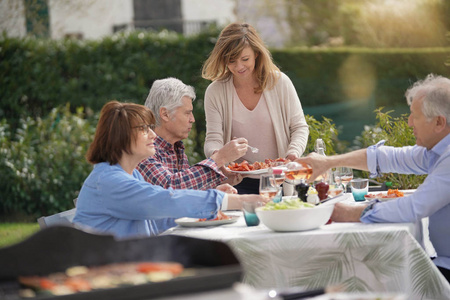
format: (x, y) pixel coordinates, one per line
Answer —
(93, 19)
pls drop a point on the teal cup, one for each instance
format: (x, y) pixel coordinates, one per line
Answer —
(360, 188)
(251, 219)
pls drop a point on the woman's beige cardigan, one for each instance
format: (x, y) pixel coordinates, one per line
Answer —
(291, 130)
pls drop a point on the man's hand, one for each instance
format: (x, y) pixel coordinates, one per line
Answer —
(231, 151)
(317, 162)
(233, 178)
(347, 213)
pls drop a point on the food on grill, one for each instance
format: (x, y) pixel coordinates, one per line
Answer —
(391, 193)
(245, 166)
(220, 216)
(83, 279)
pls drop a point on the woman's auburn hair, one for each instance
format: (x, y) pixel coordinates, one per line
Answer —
(115, 132)
(232, 40)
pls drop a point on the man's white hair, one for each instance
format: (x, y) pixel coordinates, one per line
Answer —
(167, 93)
(435, 92)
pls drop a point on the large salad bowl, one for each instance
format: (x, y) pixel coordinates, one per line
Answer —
(292, 218)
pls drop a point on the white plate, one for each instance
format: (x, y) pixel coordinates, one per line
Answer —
(193, 222)
(383, 198)
(255, 172)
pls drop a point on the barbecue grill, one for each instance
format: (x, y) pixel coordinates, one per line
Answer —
(54, 249)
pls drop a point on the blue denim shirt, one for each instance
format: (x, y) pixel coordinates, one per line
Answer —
(113, 201)
(431, 199)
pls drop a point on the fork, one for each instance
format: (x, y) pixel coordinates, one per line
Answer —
(253, 149)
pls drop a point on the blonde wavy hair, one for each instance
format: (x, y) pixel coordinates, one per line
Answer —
(232, 40)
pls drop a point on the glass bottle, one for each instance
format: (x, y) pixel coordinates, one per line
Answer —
(323, 184)
(320, 148)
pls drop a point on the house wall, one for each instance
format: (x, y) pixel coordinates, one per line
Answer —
(12, 18)
(260, 14)
(222, 11)
(91, 18)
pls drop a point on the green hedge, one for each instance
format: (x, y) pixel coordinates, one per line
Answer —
(37, 75)
(43, 163)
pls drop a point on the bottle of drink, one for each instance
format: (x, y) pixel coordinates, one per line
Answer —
(323, 184)
(319, 147)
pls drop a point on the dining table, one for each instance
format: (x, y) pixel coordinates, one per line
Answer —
(357, 257)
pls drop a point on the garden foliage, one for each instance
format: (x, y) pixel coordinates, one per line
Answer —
(43, 165)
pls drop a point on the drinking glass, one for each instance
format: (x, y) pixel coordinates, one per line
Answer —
(277, 169)
(360, 188)
(337, 179)
(296, 174)
(343, 175)
(268, 187)
(250, 217)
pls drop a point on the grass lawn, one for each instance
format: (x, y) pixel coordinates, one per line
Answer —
(11, 233)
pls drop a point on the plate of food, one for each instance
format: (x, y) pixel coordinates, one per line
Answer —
(254, 172)
(391, 194)
(221, 219)
(256, 168)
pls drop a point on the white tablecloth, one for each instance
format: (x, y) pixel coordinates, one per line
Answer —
(362, 257)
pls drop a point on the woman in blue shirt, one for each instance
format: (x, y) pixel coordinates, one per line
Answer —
(116, 199)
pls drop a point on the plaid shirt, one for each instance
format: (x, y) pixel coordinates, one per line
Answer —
(170, 168)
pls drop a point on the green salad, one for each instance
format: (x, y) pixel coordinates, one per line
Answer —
(294, 203)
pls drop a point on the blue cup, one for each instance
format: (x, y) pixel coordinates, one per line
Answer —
(360, 188)
(251, 219)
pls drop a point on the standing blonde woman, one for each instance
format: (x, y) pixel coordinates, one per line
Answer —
(251, 98)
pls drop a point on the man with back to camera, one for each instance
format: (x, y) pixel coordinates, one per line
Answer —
(429, 101)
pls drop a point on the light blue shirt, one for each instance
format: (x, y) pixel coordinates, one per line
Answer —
(113, 201)
(431, 199)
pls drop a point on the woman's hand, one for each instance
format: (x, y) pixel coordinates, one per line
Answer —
(226, 188)
(291, 157)
(235, 201)
(231, 151)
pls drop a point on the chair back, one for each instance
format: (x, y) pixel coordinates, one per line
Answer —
(62, 218)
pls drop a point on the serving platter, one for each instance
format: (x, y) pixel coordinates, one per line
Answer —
(382, 196)
(254, 172)
(193, 222)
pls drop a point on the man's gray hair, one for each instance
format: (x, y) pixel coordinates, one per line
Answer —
(435, 91)
(167, 93)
